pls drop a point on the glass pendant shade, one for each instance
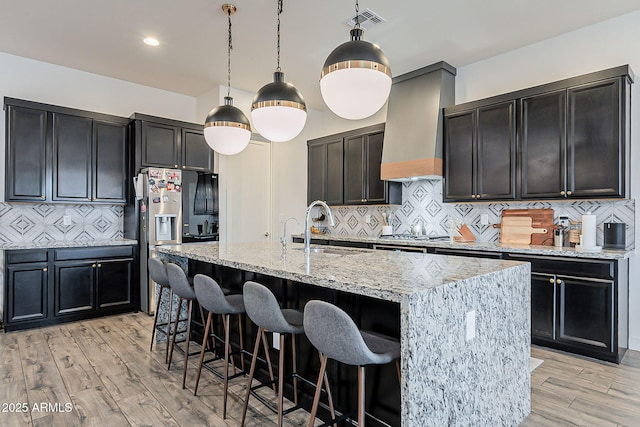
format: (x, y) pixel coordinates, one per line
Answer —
(356, 78)
(278, 111)
(226, 129)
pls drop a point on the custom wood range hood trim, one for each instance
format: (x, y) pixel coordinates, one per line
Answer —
(413, 134)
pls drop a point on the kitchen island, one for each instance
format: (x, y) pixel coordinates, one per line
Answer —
(464, 323)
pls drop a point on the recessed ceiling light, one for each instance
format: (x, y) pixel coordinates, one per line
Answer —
(151, 41)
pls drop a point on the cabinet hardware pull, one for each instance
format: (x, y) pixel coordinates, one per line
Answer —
(175, 166)
(562, 193)
(568, 193)
(477, 196)
(42, 197)
(93, 265)
(99, 265)
(473, 196)
(558, 281)
(44, 269)
(551, 280)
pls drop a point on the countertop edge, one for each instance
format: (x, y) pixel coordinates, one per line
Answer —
(54, 244)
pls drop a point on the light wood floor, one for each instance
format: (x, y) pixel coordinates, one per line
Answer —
(103, 370)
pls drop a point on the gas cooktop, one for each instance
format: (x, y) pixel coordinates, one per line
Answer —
(407, 236)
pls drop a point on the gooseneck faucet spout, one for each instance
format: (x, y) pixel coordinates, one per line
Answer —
(307, 229)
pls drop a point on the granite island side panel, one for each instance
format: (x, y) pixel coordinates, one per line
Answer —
(446, 380)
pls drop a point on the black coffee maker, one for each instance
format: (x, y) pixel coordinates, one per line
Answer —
(614, 235)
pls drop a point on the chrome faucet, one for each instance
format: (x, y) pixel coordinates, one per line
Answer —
(307, 229)
(283, 239)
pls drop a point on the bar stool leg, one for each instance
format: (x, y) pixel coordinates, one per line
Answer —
(188, 339)
(166, 350)
(201, 361)
(226, 364)
(361, 398)
(240, 329)
(266, 352)
(155, 317)
(247, 393)
(294, 365)
(280, 378)
(316, 397)
(173, 337)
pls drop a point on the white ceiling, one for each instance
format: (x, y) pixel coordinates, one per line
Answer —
(105, 37)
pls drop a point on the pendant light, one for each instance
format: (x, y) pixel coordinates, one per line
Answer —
(227, 129)
(278, 110)
(356, 79)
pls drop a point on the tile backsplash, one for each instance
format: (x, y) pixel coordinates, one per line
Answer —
(39, 222)
(422, 204)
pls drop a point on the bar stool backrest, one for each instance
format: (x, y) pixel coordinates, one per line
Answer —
(158, 272)
(210, 295)
(179, 282)
(335, 334)
(263, 308)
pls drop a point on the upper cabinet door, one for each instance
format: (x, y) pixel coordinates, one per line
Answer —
(375, 188)
(334, 172)
(596, 165)
(496, 152)
(459, 167)
(26, 164)
(196, 154)
(354, 170)
(110, 162)
(543, 145)
(72, 143)
(324, 173)
(160, 146)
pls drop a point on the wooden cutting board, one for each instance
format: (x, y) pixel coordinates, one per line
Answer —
(540, 219)
(517, 230)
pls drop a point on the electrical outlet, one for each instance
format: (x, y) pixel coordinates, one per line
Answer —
(276, 341)
(367, 218)
(471, 325)
(484, 219)
(66, 220)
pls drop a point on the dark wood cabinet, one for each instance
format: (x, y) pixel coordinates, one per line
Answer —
(344, 169)
(86, 282)
(363, 155)
(480, 154)
(26, 285)
(325, 170)
(543, 145)
(171, 144)
(27, 131)
(60, 154)
(74, 285)
(579, 305)
(595, 143)
(566, 139)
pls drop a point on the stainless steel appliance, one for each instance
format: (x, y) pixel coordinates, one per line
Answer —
(159, 192)
(199, 207)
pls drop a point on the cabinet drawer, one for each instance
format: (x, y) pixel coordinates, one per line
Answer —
(601, 269)
(24, 256)
(94, 253)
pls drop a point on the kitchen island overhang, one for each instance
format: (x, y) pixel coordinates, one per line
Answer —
(464, 323)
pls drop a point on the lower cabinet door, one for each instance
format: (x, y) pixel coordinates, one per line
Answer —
(27, 292)
(543, 305)
(113, 284)
(586, 312)
(74, 287)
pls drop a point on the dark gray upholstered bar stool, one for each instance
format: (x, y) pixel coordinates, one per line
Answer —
(212, 298)
(263, 309)
(337, 337)
(181, 287)
(158, 273)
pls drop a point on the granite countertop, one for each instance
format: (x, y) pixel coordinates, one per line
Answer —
(479, 246)
(52, 244)
(378, 274)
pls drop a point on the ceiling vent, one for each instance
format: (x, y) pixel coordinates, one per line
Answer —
(367, 19)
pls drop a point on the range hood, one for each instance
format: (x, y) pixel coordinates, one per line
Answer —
(412, 146)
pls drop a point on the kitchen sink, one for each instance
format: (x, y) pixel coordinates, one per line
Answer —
(335, 251)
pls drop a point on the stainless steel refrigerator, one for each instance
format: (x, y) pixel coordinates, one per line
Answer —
(159, 194)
